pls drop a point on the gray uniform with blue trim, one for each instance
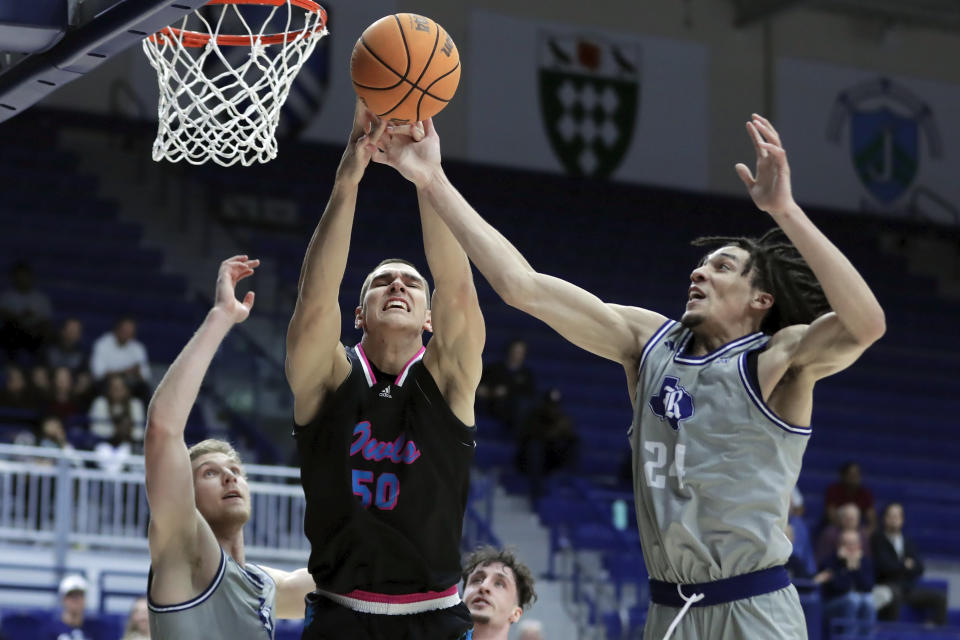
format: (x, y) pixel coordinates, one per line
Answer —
(238, 605)
(713, 471)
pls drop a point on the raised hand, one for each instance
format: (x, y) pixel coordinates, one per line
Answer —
(232, 271)
(770, 189)
(414, 151)
(364, 137)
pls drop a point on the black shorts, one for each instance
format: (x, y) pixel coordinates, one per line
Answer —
(327, 620)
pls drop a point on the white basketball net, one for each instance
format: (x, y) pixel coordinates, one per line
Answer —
(220, 102)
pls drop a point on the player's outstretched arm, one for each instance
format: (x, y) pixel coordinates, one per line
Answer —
(174, 519)
(292, 588)
(611, 331)
(315, 360)
(454, 353)
(835, 340)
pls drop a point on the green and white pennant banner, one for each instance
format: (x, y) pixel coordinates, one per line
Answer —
(590, 103)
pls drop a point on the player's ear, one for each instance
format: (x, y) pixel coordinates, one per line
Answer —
(428, 322)
(358, 318)
(761, 300)
(515, 615)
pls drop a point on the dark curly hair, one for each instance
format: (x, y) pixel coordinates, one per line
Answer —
(482, 556)
(780, 270)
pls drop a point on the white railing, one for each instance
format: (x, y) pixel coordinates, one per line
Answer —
(62, 499)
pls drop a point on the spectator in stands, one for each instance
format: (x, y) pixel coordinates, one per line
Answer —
(117, 419)
(67, 350)
(802, 562)
(138, 623)
(848, 519)
(548, 441)
(508, 387)
(52, 434)
(846, 580)
(117, 412)
(497, 587)
(40, 385)
(119, 352)
(84, 390)
(24, 314)
(899, 567)
(15, 393)
(850, 489)
(531, 630)
(72, 623)
(63, 401)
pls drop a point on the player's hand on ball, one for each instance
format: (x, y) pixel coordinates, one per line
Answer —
(364, 137)
(232, 271)
(413, 150)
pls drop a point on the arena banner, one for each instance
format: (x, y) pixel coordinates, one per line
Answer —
(586, 102)
(863, 140)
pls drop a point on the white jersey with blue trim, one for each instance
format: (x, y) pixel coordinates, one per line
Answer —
(713, 466)
(239, 603)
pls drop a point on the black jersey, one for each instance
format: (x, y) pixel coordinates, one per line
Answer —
(385, 468)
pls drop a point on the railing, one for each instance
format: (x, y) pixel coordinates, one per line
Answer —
(59, 499)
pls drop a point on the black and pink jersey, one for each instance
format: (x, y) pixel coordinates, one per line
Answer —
(385, 468)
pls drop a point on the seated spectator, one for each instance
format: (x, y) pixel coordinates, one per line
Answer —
(71, 623)
(119, 352)
(84, 390)
(40, 385)
(117, 406)
(848, 519)
(802, 563)
(138, 623)
(67, 350)
(548, 441)
(850, 489)
(24, 314)
(507, 388)
(846, 580)
(16, 394)
(63, 402)
(118, 419)
(899, 567)
(52, 434)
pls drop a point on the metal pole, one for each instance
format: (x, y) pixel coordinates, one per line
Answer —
(61, 524)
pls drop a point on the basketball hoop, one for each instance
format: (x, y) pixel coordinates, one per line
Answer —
(223, 106)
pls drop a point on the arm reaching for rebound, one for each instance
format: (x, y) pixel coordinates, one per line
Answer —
(611, 331)
(316, 362)
(183, 548)
(454, 353)
(835, 340)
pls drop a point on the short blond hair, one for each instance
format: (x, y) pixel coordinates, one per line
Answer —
(211, 445)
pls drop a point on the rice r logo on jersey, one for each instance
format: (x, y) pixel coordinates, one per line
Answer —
(673, 403)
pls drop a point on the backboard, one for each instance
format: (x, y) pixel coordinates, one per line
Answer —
(45, 44)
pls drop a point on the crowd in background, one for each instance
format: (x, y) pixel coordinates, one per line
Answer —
(63, 392)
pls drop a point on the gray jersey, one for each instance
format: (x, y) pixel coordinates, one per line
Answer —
(713, 466)
(238, 604)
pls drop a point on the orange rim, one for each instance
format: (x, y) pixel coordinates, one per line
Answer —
(197, 39)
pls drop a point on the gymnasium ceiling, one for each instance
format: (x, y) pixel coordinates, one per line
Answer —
(941, 14)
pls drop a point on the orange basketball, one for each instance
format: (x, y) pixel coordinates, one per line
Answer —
(405, 67)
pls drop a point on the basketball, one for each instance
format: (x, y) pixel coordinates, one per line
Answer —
(405, 67)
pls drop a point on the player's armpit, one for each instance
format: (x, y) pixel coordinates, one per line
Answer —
(825, 347)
